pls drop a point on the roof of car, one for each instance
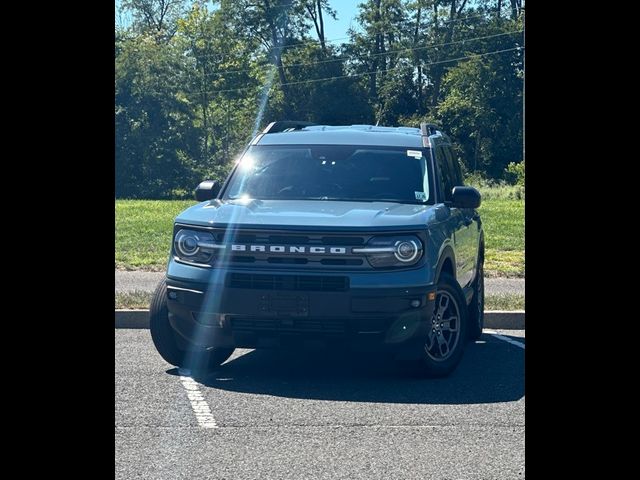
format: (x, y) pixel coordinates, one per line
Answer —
(345, 135)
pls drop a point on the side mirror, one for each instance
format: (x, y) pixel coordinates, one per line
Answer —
(465, 197)
(207, 190)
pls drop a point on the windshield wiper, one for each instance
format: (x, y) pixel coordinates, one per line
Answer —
(338, 199)
(392, 200)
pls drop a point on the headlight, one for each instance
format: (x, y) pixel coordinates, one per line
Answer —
(396, 251)
(194, 246)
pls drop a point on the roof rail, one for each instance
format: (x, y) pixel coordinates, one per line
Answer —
(286, 125)
(427, 129)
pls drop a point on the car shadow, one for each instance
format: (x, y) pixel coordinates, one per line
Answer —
(514, 337)
(491, 371)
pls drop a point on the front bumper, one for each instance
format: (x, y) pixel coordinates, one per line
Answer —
(294, 313)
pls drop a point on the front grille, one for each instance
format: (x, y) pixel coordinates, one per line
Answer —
(286, 259)
(308, 283)
(306, 240)
(341, 261)
(297, 325)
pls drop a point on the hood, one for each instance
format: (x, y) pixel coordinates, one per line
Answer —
(307, 214)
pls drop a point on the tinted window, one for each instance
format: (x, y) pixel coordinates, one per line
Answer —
(454, 166)
(331, 172)
(445, 176)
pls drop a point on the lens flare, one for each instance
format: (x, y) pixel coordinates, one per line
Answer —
(264, 96)
(247, 162)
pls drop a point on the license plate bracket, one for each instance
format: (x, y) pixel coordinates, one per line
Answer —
(288, 305)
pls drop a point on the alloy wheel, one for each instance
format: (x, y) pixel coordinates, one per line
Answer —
(444, 334)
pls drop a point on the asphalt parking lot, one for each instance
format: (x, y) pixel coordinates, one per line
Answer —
(283, 414)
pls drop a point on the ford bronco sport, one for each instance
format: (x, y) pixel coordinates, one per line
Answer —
(358, 236)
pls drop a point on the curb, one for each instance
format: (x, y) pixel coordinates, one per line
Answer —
(132, 318)
(504, 319)
(498, 319)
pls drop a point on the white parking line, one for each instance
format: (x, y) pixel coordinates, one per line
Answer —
(198, 403)
(505, 339)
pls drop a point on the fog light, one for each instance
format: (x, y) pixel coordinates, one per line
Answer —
(415, 303)
(173, 295)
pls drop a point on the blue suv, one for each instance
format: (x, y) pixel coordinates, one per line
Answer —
(359, 236)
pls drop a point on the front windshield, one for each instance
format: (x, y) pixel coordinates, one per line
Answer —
(331, 172)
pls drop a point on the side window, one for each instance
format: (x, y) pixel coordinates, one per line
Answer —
(444, 174)
(454, 167)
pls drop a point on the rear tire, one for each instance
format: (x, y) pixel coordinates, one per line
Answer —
(443, 346)
(165, 341)
(476, 307)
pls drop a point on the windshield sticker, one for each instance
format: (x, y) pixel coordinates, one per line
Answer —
(414, 153)
(421, 196)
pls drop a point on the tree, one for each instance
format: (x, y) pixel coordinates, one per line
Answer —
(216, 64)
(483, 111)
(314, 9)
(194, 84)
(154, 131)
(272, 24)
(454, 13)
(157, 16)
(374, 50)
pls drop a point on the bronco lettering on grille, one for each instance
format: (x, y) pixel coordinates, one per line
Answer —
(289, 249)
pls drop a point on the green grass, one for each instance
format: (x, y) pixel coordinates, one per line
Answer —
(506, 301)
(135, 300)
(144, 227)
(502, 192)
(503, 222)
(143, 232)
(495, 189)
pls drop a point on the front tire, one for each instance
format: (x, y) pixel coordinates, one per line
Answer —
(444, 342)
(165, 341)
(163, 336)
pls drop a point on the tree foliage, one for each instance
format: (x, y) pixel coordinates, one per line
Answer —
(194, 83)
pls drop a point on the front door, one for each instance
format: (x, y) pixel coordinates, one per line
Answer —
(463, 221)
(468, 232)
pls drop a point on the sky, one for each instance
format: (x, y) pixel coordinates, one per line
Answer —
(346, 11)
